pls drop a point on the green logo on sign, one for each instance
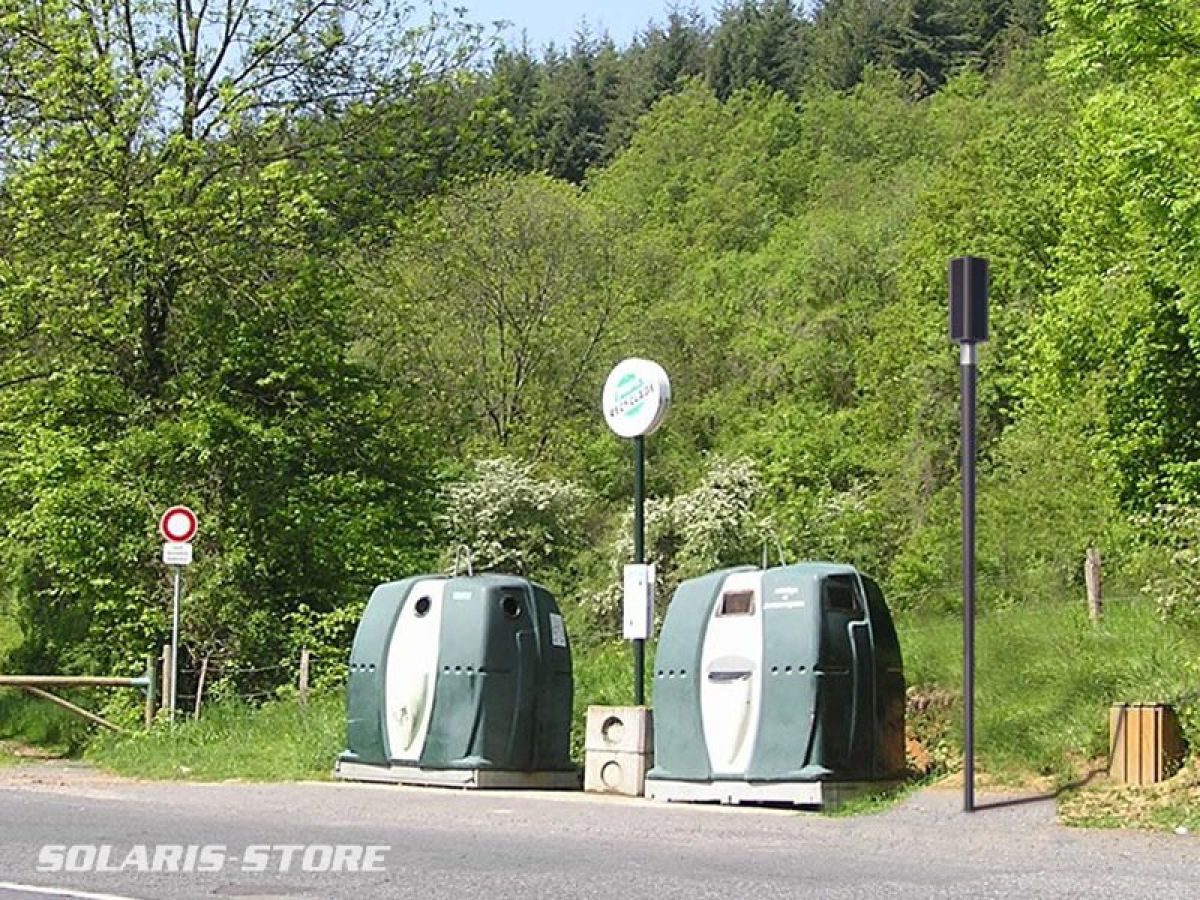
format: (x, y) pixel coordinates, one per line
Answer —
(631, 396)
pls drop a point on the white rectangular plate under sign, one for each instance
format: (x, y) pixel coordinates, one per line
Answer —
(639, 601)
(177, 554)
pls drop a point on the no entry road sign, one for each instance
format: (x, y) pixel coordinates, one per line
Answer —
(178, 525)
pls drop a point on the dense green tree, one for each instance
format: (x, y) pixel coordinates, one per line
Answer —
(847, 37)
(1125, 321)
(932, 39)
(492, 313)
(174, 324)
(513, 86)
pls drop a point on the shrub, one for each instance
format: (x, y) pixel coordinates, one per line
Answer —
(512, 520)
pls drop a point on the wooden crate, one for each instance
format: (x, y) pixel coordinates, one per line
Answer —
(1145, 743)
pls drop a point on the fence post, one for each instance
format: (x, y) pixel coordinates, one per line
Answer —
(1091, 575)
(165, 674)
(304, 677)
(151, 676)
(200, 686)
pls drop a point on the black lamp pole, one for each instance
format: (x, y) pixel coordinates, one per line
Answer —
(968, 327)
(967, 372)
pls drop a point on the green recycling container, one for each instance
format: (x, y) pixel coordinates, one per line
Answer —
(462, 681)
(777, 685)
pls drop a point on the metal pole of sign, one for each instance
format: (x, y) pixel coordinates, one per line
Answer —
(636, 397)
(175, 639)
(639, 556)
(967, 371)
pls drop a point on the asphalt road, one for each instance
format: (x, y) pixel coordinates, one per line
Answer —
(462, 845)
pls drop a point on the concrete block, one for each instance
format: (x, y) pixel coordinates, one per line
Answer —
(615, 772)
(620, 729)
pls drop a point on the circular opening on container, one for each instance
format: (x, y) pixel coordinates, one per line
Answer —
(511, 605)
(612, 730)
(422, 607)
(610, 775)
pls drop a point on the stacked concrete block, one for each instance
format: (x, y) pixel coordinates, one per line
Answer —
(619, 749)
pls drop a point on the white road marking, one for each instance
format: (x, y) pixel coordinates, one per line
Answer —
(58, 892)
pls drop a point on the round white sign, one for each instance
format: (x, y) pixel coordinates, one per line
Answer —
(636, 397)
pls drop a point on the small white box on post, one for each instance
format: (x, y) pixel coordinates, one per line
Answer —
(639, 601)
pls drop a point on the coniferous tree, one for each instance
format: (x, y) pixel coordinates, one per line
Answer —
(931, 39)
(576, 103)
(659, 62)
(757, 42)
(847, 36)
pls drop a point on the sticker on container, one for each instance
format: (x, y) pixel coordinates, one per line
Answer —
(558, 631)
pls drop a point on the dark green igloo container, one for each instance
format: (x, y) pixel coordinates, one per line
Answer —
(461, 681)
(777, 685)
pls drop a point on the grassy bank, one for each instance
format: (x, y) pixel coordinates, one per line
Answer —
(1046, 677)
(278, 741)
(281, 741)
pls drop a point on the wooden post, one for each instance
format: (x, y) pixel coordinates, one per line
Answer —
(200, 686)
(1091, 575)
(150, 677)
(166, 674)
(1145, 743)
(304, 677)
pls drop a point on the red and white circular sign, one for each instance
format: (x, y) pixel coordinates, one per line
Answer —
(178, 524)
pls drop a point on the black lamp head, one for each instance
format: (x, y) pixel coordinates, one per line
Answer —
(968, 299)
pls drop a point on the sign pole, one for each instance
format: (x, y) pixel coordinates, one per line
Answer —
(175, 640)
(635, 400)
(968, 327)
(639, 557)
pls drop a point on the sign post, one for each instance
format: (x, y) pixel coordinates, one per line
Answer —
(968, 326)
(637, 395)
(178, 527)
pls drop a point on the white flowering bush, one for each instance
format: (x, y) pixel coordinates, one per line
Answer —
(713, 525)
(513, 521)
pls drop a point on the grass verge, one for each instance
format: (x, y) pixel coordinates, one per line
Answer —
(1045, 679)
(881, 801)
(278, 741)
